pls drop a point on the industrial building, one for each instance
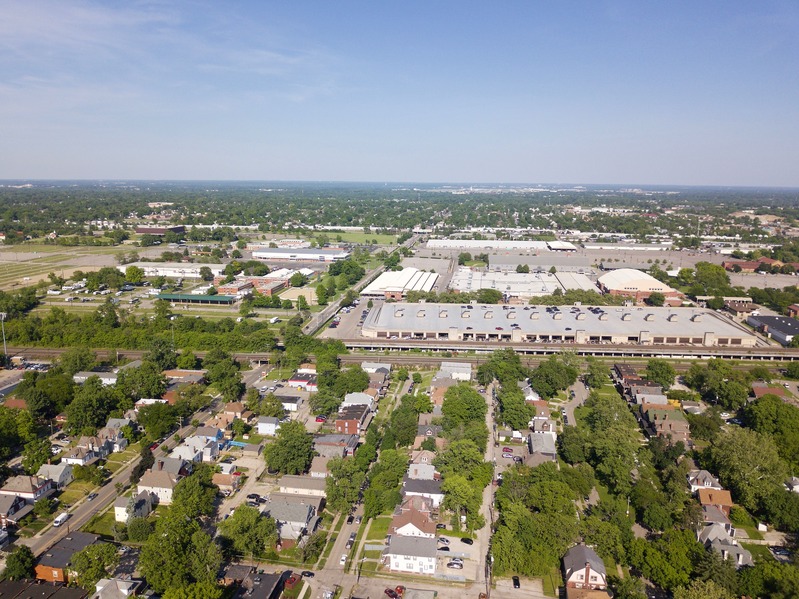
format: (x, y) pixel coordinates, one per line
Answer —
(301, 254)
(183, 270)
(548, 324)
(637, 285)
(500, 244)
(396, 284)
(780, 328)
(519, 285)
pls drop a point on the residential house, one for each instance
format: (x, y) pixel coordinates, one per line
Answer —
(415, 555)
(657, 399)
(138, 506)
(422, 472)
(30, 488)
(316, 502)
(79, 456)
(303, 485)
(759, 390)
(334, 445)
(426, 431)
(260, 586)
(252, 450)
(416, 503)
(197, 449)
(293, 519)
(106, 378)
(413, 523)
(117, 588)
(54, 564)
(318, 467)
(667, 422)
(584, 569)
(539, 426)
(355, 399)
(455, 370)
(376, 367)
(541, 448)
(353, 419)
(702, 479)
(719, 538)
(175, 466)
(236, 409)
(530, 394)
(719, 498)
(226, 482)
(13, 508)
(60, 474)
(423, 488)
(712, 514)
(210, 433)
(235, 574)
(268, 425)
(422, 456)
(160, 484)
(290, 403)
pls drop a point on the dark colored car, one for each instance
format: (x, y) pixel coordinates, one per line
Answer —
(440, 526)
(307, 574)
(467, 540)
(254, 497)
(445, 548)
(91, 496)
(516, 583)
(350, 519)
(391, 593)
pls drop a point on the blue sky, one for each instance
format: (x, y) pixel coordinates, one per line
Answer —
(688, 93)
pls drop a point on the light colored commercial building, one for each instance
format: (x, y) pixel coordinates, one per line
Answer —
(519, 285)
(585, 324)
(301, 254)
(397, 284)
(636, 285)
(177, 270)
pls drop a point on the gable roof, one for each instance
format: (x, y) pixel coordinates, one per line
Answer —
(158, 479)
(715, 497)
(578, 556)
(413, 546)
(416, 518)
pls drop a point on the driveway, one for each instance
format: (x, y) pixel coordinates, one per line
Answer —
(581, 393)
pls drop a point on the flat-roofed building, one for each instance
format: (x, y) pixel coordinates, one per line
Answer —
(585, 324)
(396, 284)
(486, 244)
(183, 270)
(301, 254)
(637, 285)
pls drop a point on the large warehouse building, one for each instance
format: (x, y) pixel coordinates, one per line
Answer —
(396, 284)
(500, 244)
(637, 285)
(301, 254)
(586, 324)
(176, 270)
(519, 285)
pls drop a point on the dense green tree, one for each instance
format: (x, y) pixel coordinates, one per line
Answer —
(20, 563)
(194, 495)
(195, 590)
(292, 450)
(248, 532)
(343, 484)
(703, 589)
(76, 359)
(157, 419)
(139, 529)
(462, 404)
(36, 453)
(661, 372)
(161, 353)
(93, 563)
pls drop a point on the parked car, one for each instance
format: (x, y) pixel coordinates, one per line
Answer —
(516, 583)
(254, 497)
(91, 496)
(455, 565)
(440, 526)
(507, 450)
(444, 548)
(358, 519)
(443, 540)
(321, 418)
(391, 593)
(505, 454)
(467, 540)
(350, 519)
(307, 574)
(343, 559)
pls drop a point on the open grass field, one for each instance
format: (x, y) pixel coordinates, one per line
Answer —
(379, 528)
(76, 491)
(353, 237)
(101, 524)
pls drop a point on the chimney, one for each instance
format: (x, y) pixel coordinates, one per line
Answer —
(160, 464)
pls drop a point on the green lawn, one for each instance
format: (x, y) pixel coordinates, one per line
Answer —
(354, 237)
(379, 528)
(551, 582)
(101, 524)
(759, 552)
(76, 491)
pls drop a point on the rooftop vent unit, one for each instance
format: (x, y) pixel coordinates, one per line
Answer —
(420, 314)
(649, 317)
(557, 316)
(697, 318)
(603, 316)
(672, 318)
(626, 316)
(535, 316)
(581, 316)
(442, 314)
(488, 314)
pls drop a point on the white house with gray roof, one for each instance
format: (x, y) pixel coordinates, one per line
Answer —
(415, 555)
(584, 569)
(293, 519)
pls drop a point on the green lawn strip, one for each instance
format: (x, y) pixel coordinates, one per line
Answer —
(379, 528)
(75, 491)
(759, 552)
(551, 582)
(101, 524)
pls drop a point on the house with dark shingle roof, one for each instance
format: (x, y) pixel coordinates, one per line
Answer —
(584, 569)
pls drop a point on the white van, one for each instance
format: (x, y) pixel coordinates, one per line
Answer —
(274, 320)
(60, 519)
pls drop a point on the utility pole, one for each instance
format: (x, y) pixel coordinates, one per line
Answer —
(3, 324)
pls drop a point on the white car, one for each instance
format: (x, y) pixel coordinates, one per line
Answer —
(343, 559)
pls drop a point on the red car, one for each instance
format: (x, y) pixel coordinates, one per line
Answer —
(321, 418)
(507, 449)
(154, 446)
